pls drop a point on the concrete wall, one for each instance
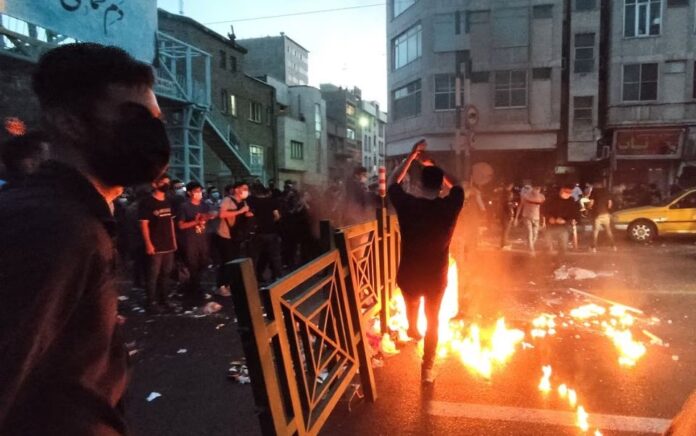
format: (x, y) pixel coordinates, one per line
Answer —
(676, 42)
(491, 46)
(277, 56)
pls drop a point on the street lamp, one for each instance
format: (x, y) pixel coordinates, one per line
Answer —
(364, 122)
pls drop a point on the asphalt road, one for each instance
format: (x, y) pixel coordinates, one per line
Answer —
(198, 399)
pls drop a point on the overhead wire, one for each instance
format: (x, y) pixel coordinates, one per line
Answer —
(294, 14)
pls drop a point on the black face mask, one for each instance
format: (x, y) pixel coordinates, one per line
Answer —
(130, 151)
(164, 187)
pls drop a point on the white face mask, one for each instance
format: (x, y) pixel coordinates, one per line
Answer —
(181, 191)
(244, 195)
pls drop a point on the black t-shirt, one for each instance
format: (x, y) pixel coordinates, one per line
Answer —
(160, 221)
(188, 212)
(263, 208)
(601, 202)
(557, 207)
(426, 231)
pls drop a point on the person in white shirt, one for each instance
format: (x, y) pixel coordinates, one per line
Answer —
(530, 210)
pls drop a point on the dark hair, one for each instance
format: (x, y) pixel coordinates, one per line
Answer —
(162, 177)
(228, 188)
(359, 170)
(239, 184)
(18, 148)
(190, 186)
(432, 178)
(74, 76)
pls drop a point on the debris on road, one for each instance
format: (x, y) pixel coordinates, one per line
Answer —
(153, 396)
(239, 372)
(122, 298)
(182, 351)
(219, 326)
(575, 273)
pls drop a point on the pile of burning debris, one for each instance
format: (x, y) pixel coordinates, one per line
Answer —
(486, 347)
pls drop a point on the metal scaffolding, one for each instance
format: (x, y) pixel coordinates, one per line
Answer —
(182, 85)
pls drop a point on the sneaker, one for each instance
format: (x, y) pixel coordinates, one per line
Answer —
(507, 248)
(224, 291)
(614, 248)
(594, 250)
(427, 375)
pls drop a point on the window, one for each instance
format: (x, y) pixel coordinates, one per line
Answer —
(256, 160)
(510, 89)
(296, 150)
(543, 11)
(583, 110)
(407, 100)
(445, 92)
(475, 17)
(688, 202)
(407, 46)
(677, 3)
(317, 120)
(640, 82)
(269, 115)
(233, 105)
(541, 73)
(224, 100)
(233, 64)
(642, 17)
(350, 133)
(223, 59)
(401, 5)
(479, 76)
(255, 111)
(584, 52)
(350, 110)
(585, 5)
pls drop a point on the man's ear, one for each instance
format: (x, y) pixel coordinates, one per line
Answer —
(69, 125)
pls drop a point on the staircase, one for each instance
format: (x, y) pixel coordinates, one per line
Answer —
(220, 136)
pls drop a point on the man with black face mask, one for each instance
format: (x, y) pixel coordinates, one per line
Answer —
(157, 227)
(63, 366)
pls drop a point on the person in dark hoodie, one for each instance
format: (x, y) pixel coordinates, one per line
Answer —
(63, 364)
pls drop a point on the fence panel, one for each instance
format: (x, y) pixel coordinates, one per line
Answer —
(303, 355)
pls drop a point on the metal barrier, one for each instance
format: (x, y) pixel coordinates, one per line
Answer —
(305, 336)
(303, 354)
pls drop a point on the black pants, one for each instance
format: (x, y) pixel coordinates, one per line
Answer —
(432, 311)
(266, 248)
(195, 256)
(228, 249)
(159, 268)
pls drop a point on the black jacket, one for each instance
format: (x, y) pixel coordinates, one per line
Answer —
(63, 366)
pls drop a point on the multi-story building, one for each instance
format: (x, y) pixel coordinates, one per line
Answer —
(279, 57)
(345, 143)
(503, 57)
(624, 108)
(302, 134)
(240, 131)
(651, 95)
(372, 122)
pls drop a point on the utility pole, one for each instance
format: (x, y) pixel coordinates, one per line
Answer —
(181, 7)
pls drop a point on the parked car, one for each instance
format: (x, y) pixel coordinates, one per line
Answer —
(676, 216)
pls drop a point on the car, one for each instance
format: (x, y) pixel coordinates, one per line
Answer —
(676, 216)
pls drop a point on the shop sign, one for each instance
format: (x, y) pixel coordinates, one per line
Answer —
(648, 143)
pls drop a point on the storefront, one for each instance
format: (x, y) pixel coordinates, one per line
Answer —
(648, 156)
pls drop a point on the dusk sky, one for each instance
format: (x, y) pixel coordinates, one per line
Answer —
(347, 47)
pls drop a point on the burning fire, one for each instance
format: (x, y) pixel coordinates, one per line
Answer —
(615, 324)
(485, 348)
(479, 348)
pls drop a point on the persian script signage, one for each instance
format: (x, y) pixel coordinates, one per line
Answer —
(648, 143)
(129, 24)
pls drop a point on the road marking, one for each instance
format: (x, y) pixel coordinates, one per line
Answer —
(544, 416)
